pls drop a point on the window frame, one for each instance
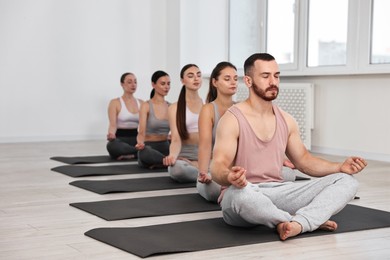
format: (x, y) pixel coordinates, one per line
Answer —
(359, 38)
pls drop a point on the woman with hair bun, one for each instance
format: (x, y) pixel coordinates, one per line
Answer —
(123, 120)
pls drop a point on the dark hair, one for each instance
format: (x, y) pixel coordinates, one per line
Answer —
(181, 106)
(212, 95)
(250, 62)
(152, 93)
(156, 75)
(124, 76)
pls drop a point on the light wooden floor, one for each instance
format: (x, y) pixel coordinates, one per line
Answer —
(36, 221)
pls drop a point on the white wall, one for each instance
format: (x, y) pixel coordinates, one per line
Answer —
(60, 63)
(203, 35)
(61, 60)
(351, 115)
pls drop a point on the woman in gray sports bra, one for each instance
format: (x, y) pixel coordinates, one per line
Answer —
(153, 130)
(222, 86)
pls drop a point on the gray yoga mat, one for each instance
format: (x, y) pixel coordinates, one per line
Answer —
(88, 159)
(82, 171)
(214, 233)
(130, 185)
(147, 207)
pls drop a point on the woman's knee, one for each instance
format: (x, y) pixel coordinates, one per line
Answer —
(209, 191)
(183, 171)
(113, 148)
(143, 153)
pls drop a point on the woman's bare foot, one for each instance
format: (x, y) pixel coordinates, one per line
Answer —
(126, 157)
(157, 166)
(288, 229)
(329, 226)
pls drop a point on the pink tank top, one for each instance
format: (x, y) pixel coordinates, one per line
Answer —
(262, 160)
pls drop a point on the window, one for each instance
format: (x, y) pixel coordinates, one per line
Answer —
(313, 37)
(327, 38)
(380, 37)
(256, 26)
(281, 32)
(244, 36)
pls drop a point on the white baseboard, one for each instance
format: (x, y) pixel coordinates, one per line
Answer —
(32, 139)
(314, 149)
(346, 153)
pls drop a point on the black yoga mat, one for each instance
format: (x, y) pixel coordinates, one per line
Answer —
(147, 207)
(214, 233)
(299, 178)
(131, 185)
(82, 171)
(88, 159)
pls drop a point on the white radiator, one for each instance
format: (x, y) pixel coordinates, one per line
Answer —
(296, 99)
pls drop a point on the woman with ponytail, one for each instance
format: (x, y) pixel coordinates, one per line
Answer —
(222, 86)
(183, 115)
(153, 130)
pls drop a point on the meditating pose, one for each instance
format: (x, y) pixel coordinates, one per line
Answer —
(222, 86)
(152, 139)
(183, 115)
(252, 140)
(123, 120)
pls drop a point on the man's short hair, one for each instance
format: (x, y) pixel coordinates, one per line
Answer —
(250, 62)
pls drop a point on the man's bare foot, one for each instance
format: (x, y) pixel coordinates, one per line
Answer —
(288, 229)
(329, 226)
(126, 157)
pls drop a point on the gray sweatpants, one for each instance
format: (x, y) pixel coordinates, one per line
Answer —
(310, 203)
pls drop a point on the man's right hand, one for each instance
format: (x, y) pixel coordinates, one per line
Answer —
(237, 177)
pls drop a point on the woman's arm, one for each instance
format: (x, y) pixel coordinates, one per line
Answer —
(113, 110)
(143, 117)
(175, 146)
(205, 123)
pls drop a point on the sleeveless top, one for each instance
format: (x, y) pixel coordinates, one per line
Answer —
(154, 125)
(126, 119)
(191, 121)
(189, 151)
(263, 160)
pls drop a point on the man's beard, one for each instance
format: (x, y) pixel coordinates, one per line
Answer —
(262, 93)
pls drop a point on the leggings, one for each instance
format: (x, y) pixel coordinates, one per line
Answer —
(183, 171)
(153, 154)
(209, 191)
(123, 145)
(310, 203)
